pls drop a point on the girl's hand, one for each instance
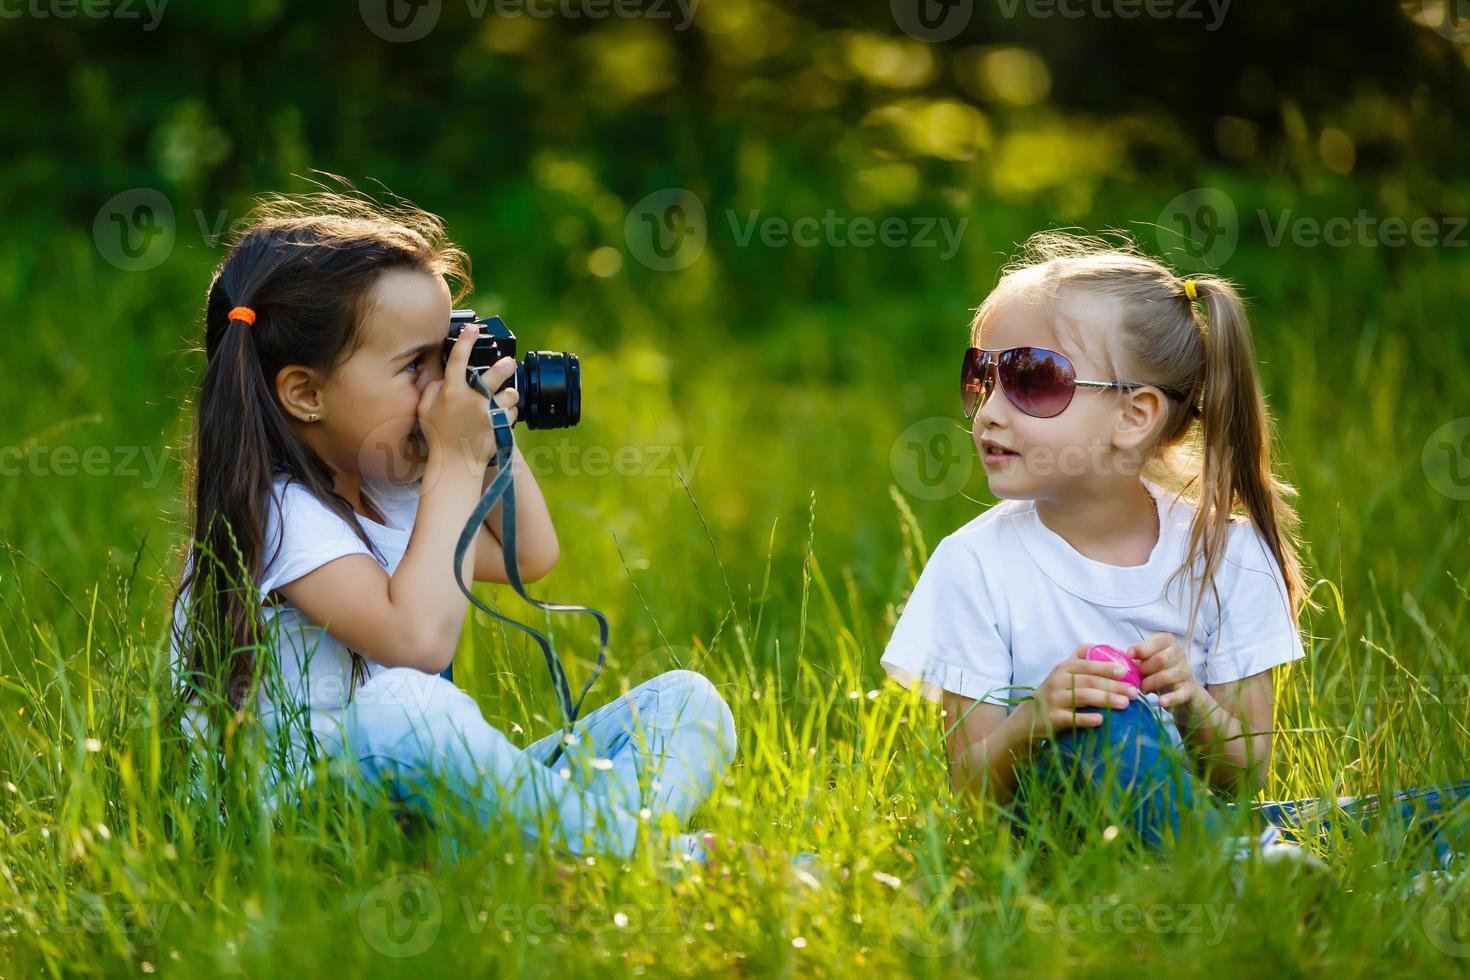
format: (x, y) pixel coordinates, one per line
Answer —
(1166, 669)
(453, 415)
(1080, 683)
(495, 376)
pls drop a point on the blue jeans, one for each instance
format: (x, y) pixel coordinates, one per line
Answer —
(1130, 766)
(660, 749)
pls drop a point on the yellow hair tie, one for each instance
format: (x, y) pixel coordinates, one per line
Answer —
(1190, 291)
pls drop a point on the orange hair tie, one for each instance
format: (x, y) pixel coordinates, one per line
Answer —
(243, 313)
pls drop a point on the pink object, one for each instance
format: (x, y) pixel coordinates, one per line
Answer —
(1103, 653)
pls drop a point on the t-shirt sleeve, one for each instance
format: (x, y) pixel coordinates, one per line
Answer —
(1257, 630)
(310, 535)
(947, 638)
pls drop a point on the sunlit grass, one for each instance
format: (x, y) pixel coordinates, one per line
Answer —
(772, 561)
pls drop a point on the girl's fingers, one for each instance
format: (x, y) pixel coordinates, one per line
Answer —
(1107, 685)
(1159, 661)
(1179, 695)
(1151, 646)
(1093, 697)
(1164, 679)
(1095, 668)
(502, 370)
(459, 354)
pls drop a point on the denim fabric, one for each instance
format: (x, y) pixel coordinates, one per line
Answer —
(660, 749)
(1131, 769)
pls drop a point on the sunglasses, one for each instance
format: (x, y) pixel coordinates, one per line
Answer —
(1037, 381)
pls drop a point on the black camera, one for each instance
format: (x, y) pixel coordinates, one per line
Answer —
(550, 383)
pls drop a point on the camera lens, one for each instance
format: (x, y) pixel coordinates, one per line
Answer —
(550, 384)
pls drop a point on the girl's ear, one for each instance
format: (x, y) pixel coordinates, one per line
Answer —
(1142, 413)
(299, 390)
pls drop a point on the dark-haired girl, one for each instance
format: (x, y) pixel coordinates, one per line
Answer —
(334, 465)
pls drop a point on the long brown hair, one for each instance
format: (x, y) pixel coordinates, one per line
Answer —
(305, 264)
(1223, 460)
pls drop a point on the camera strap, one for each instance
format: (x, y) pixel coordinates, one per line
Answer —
(502, 490)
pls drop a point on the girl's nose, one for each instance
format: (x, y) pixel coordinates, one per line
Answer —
(995, 411)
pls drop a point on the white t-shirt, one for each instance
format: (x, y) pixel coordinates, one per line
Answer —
(315, 668)
(1005, 599)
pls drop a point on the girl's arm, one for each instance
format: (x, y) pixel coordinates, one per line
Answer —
(1228, 728)
(537, 550)
(986, 745)
(414, 617)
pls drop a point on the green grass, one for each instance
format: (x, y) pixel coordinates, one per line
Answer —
(776, 572)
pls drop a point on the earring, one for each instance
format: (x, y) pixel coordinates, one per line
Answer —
(312, 417)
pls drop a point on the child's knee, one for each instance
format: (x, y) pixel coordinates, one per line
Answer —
(1129, 738)
(701, 708)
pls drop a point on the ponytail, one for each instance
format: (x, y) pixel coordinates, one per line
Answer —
(305, 267)
(1221, 459)
(1236, 449)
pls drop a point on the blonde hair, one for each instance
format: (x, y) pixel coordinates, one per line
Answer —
(1222, 462)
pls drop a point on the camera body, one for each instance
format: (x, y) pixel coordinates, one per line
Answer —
(549, 382)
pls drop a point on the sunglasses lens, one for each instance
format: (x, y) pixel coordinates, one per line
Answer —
(974, 382)
(1037, 381)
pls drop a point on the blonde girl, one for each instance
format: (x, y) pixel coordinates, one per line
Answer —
(1120, 417)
